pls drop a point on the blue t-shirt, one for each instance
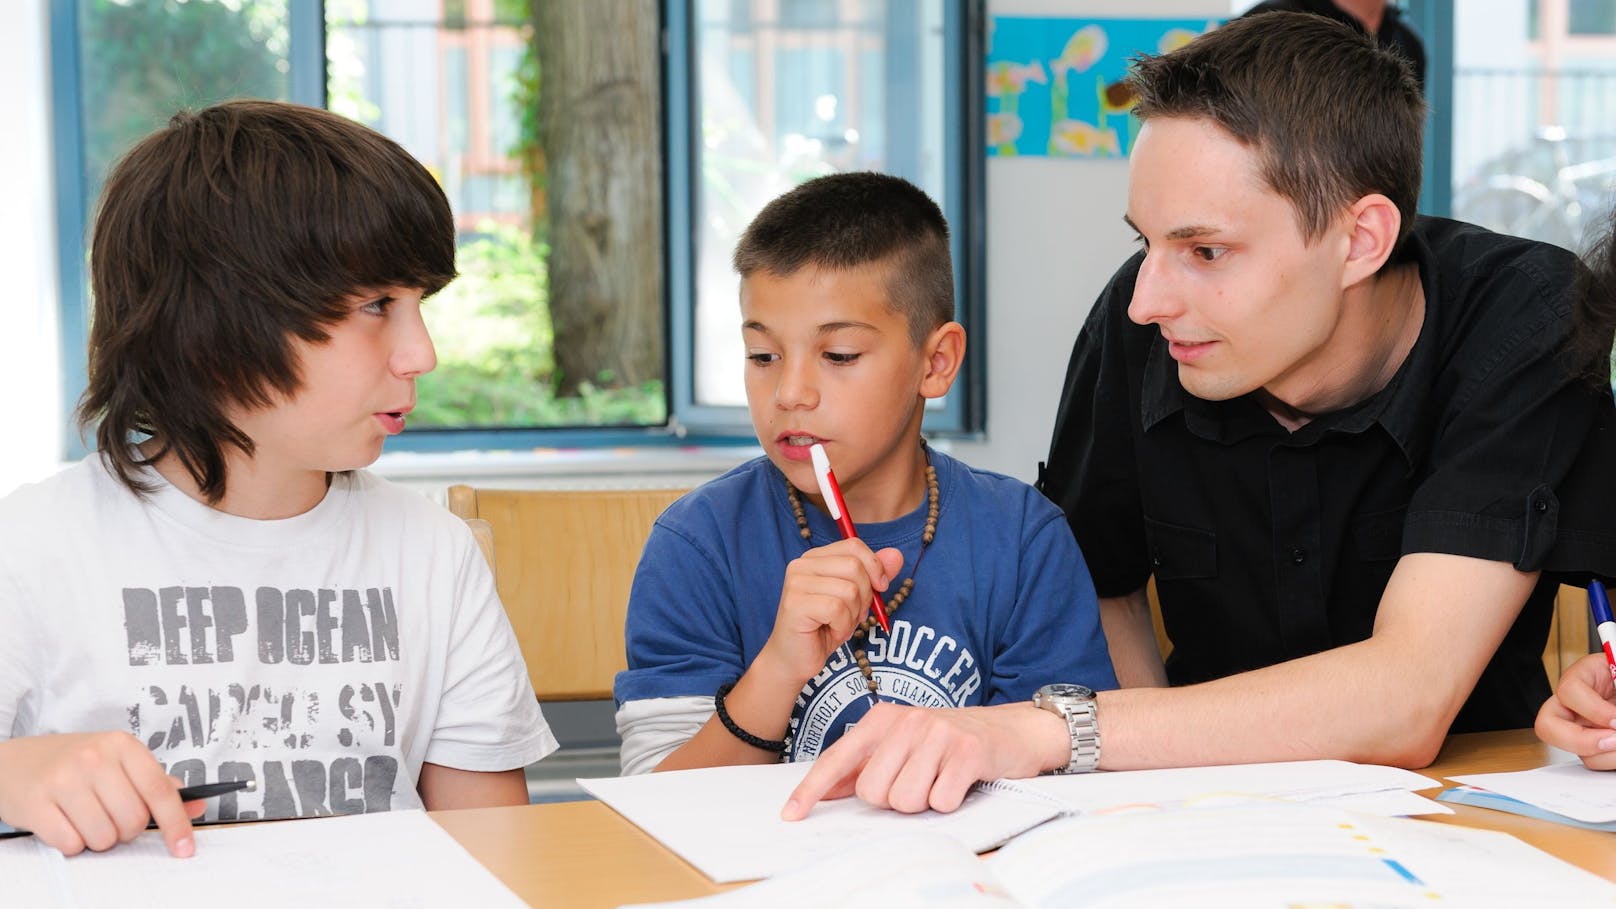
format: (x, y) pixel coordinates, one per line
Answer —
(1002, 601)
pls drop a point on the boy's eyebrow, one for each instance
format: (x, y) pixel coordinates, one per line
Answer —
(1189, 232)
(825, 329)
(830, 327)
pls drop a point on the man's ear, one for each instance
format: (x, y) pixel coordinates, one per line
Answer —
(1373, 223)
(944, 349)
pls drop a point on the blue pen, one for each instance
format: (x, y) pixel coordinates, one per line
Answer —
(1600, 604)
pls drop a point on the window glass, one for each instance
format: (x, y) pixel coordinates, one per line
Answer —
(1591, 17)
(142, 60)
(561, 317)
(1534, 118)
(792, 90)
(457, 85)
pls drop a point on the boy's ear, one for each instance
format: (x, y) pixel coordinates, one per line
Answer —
(944, 350)
(1372, 224)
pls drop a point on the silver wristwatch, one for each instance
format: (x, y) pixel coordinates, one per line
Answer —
(1076, 705)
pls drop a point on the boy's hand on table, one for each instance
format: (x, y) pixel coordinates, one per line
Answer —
(826, 594)
(91, 790)
(1580, 717)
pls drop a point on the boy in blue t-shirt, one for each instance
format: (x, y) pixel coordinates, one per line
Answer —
(746, 592)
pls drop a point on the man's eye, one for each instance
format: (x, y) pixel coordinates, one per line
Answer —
(1209, 253)
(841, 359)
(761, 359)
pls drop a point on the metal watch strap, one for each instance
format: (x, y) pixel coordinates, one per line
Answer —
(1079, 707)
(1082, 724)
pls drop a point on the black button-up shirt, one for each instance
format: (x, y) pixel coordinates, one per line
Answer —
(1268, 545)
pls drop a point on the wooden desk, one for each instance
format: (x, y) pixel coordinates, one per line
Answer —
(1518, 749)
(583, 854)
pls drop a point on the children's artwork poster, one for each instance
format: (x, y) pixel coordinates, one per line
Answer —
(1055, 86)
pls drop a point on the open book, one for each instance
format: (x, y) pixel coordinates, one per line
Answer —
(1269, 854)
(394, 858)
(726, 820)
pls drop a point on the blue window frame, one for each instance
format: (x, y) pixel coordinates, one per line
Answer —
(910, 69)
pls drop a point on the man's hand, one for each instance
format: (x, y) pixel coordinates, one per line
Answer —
(914, 758)
(91, 790)
(1580, 717)
(826, 593)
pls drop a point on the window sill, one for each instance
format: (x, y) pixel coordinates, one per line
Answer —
(563, 468)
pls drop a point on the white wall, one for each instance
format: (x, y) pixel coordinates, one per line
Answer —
(1055, 234)
(28, 361)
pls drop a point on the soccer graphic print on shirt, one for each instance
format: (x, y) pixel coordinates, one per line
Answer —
(916, 665)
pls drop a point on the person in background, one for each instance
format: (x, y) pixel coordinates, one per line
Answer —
(1377, 18)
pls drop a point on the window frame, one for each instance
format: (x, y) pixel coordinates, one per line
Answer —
(962, 414)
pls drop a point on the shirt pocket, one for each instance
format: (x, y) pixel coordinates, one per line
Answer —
(1378, 536)
(1178, 552)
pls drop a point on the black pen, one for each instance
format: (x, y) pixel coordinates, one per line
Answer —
(211, 790)
(187, 794)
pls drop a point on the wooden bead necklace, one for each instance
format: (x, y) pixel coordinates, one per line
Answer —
(894, 600)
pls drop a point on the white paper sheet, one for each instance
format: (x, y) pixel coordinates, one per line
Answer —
(1102, 792)
(1569, 789)
(393, 859)
(1264, 854)
(726, 820)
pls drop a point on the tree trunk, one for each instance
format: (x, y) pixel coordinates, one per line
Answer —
(599, 115)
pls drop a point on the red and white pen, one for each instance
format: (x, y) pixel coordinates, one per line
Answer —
(838, 510)
(1604, 625)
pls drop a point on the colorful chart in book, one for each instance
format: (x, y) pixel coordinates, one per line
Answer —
(1055, 85)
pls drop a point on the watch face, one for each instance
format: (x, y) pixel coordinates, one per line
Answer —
(1064, 690)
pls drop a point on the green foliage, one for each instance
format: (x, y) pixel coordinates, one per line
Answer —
(145, 59)
(495, 349)
(347, 22)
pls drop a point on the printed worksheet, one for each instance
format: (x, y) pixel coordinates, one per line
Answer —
(393, 859)
(1569, 789)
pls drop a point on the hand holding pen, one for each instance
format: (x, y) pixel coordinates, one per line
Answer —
(93, 790)
(832, 492)
(1580, 717)
(826, 594)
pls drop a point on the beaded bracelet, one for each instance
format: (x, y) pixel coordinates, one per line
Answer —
(778, 746)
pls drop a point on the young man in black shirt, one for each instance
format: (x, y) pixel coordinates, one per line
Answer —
(1348, 443)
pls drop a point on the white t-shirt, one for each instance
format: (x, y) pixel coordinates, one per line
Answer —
(325, 656)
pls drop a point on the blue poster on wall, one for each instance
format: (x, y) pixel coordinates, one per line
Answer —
(1055, 85)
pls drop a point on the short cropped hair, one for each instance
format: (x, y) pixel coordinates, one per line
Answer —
(219, 239)
(842, 221)
(1331, 115)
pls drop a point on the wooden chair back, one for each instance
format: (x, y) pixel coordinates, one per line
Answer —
(563, 562)
(1568, 631)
